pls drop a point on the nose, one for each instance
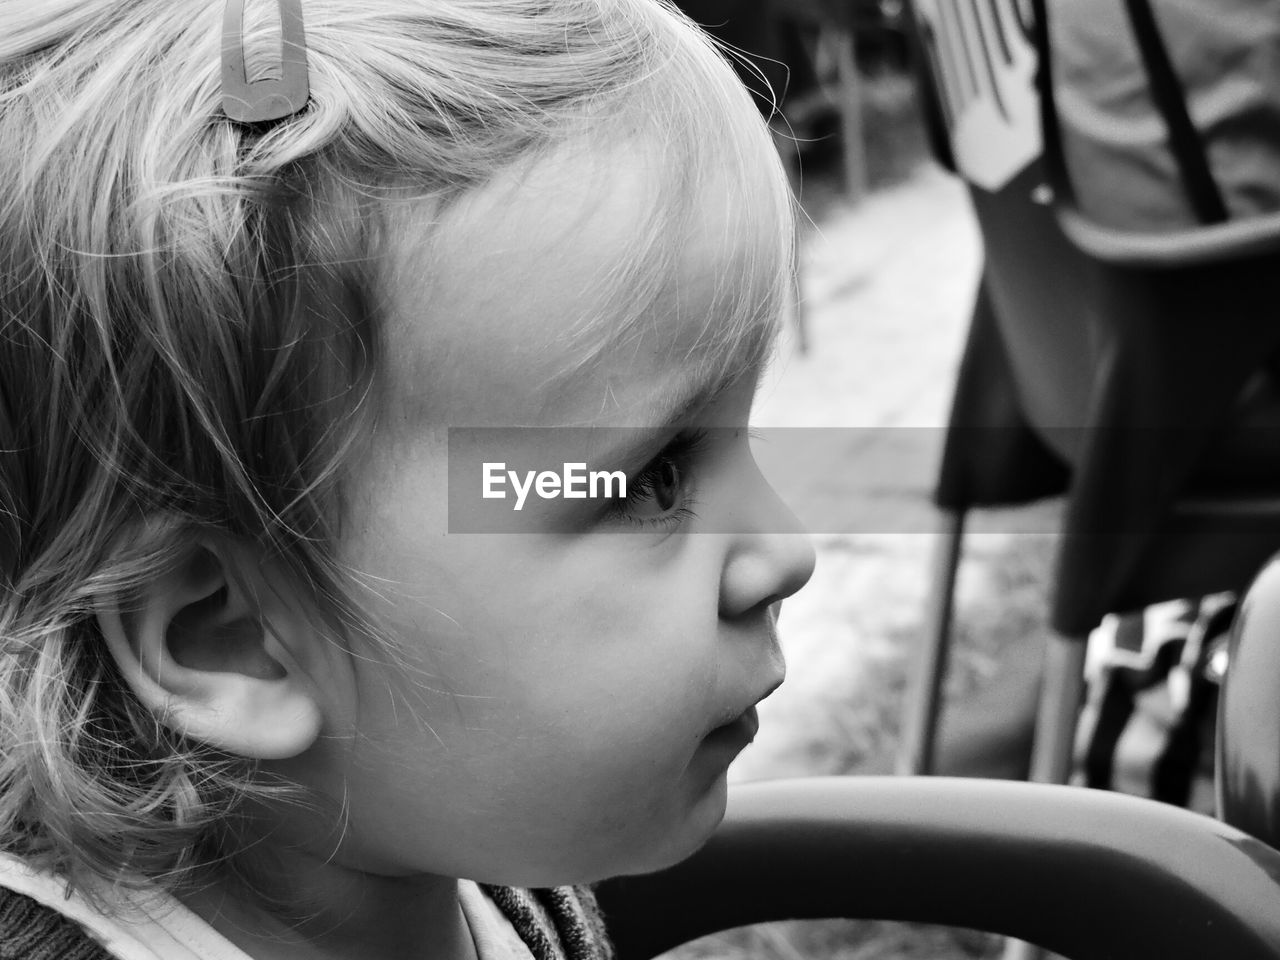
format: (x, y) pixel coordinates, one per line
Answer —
(769, 559)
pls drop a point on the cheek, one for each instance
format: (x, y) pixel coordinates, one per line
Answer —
(557, 736)
(624, 672)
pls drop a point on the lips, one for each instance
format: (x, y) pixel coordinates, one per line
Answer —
(738, 732)
(746, 722)
(750, 722)
(743, 720)
(729, 719)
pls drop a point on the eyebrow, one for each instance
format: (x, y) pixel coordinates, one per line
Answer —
(675, 405)
(670, 409)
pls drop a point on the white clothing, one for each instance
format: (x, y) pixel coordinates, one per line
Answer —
(156, 926)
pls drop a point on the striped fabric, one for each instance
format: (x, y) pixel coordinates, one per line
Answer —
(29, 931)
(560, 923)
(1148, 723)
(563, 923)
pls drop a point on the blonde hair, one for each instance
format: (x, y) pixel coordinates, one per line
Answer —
(190, 324)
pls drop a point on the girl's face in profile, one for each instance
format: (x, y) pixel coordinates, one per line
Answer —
(570, 695)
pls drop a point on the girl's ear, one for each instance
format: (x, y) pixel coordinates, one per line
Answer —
(219, 653)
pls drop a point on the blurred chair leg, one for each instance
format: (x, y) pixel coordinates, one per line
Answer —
(924, 698)
(850, 101)
(1060, 696)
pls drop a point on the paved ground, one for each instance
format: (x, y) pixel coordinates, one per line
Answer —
(887, 288)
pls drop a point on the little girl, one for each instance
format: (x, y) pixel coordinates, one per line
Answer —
(256, 698)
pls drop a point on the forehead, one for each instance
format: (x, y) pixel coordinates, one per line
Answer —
(575, 286)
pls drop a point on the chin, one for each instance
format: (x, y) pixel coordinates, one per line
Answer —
(685, 838)
(661, 842)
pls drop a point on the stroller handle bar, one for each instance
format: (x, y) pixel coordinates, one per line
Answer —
(1087, 874)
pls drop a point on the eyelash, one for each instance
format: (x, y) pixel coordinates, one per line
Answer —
(681, 453)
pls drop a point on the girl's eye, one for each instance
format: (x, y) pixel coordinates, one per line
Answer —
(657, 490)
(662, 493)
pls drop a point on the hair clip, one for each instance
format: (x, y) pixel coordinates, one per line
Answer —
(264, 99)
